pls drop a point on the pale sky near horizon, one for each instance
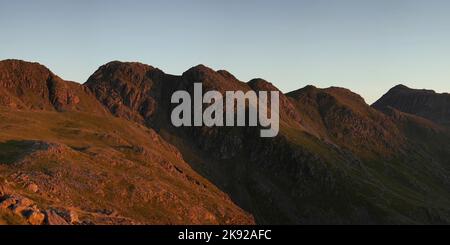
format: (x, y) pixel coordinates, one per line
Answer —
(366, 46)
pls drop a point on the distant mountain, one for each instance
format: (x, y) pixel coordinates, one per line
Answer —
(336, 160)
(420, 102)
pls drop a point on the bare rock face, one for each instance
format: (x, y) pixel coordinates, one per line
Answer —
(421, 102)
(34, 217)
(128, 90)
(22, 204)
(22, 207)
(25, 85)
(33, 187)
(61, 95)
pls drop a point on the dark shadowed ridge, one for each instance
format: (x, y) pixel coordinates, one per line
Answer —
(421, 102)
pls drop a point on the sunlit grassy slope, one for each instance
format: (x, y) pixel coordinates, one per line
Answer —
(98, 163)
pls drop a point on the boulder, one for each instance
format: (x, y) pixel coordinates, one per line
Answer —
(33, 187)
(22, 204)
(35, 217)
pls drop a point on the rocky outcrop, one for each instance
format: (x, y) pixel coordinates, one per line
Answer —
(128, 90)
(23, 207)
(29, 210)
(53, 183)
(25, 85)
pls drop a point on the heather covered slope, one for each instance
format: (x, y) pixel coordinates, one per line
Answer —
(107, 169)
(336, 160)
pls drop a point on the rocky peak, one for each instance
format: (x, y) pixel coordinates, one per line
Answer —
(23, 85)
(421, 102)
(128, 89)
(344, 117)
(212, 80)
(400, 87)
(27, 85)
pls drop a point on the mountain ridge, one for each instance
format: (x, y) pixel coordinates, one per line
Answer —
(336, 160)
(421, 102)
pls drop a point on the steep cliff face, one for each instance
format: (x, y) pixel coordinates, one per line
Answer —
(25, 85)
(129, 90)
(420, 102)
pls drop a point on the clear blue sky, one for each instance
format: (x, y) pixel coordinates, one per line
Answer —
(367, 46)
